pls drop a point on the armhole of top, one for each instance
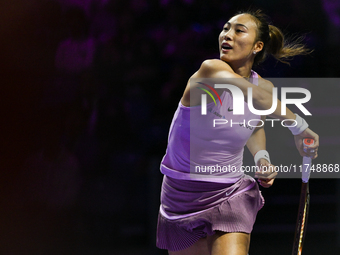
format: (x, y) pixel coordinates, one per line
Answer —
(254, 78)
(199, 106)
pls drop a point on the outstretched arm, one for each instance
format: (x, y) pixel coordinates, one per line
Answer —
(262, 98)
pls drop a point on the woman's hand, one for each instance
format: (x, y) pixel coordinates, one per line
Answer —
(266, 173)
(310, 151)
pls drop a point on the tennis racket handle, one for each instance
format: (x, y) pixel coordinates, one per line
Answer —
(306, 161)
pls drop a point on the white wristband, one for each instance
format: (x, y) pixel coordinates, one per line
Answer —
(261, 154)
(300, 125)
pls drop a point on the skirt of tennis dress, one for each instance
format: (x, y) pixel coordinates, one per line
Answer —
(191, 210)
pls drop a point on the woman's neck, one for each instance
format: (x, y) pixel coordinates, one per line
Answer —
(243, 70)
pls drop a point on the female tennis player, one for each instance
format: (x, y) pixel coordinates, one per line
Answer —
(214, 212)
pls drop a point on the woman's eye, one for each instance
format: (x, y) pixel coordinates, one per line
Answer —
(238, 30)
(225, 29)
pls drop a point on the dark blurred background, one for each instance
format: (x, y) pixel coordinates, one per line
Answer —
(88, 90)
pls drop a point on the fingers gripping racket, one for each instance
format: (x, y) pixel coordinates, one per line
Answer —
(301, 222)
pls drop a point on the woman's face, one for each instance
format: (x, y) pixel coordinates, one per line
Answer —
(237, 40)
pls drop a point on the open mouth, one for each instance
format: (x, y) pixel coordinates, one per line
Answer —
(226, 46)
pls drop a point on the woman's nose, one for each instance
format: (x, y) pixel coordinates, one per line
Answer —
(227, 35)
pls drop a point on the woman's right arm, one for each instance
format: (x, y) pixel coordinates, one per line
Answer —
(214, 68)
(262, 99)
(211, 68)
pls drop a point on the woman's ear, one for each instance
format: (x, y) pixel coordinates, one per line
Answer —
(258, 46)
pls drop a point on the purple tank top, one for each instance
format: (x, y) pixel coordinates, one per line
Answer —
(195, 145)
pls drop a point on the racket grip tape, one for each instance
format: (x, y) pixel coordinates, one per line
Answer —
(306, 161)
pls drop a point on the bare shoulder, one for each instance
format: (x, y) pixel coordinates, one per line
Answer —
(215, 63)
(266, 84)
(211, 68)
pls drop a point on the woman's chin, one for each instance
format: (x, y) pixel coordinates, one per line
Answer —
(224, 58)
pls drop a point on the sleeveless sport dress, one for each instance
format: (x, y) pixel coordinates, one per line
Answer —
(196, 205)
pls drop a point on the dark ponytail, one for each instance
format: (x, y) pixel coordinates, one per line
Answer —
(275, 43)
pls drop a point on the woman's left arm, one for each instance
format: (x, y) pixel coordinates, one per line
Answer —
(257, 140)
(256, 143)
